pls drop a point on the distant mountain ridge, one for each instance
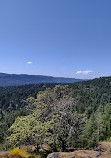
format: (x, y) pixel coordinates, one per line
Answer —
(22, 79)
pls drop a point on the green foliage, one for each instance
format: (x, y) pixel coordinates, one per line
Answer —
(13, 103)
(29, 130)
(52, 121)
(65, 117)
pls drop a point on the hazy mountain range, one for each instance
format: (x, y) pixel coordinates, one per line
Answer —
(22, 79)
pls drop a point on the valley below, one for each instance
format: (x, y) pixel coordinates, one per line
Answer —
(56, 120)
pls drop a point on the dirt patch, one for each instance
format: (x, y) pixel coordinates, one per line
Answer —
(4, 154)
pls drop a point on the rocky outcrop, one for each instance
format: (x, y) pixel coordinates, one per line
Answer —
(87, 154)
(76, 154)
(102, 151)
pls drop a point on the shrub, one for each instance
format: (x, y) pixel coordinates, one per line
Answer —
(19, 153)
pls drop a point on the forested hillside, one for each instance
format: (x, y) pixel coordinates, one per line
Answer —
(13, 103)
(13, 97)
(23, 79)
(70, 116)
(94, 101)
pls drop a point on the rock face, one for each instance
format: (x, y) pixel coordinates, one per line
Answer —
(104, 147)
(76, 154)
(102, 151)
(87, 154)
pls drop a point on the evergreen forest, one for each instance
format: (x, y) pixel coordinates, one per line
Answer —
(66, 117)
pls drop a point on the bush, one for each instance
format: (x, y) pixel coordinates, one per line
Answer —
(22, 153)
(19, 153)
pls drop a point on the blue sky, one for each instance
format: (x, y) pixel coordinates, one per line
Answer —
(69, 38)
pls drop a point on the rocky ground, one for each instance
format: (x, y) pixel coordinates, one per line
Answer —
(102, 151)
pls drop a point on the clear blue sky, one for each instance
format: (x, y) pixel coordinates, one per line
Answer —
(69, 38)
